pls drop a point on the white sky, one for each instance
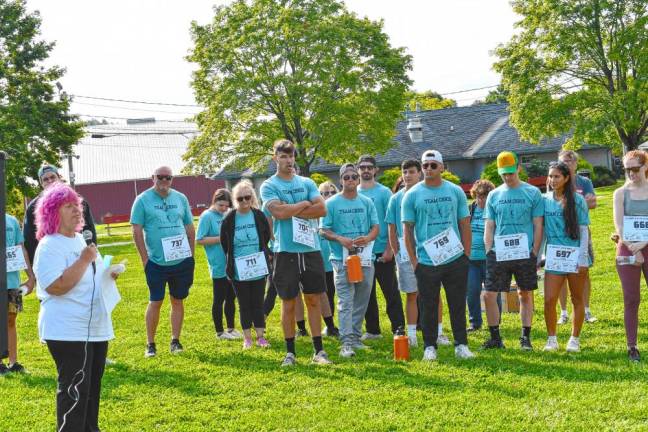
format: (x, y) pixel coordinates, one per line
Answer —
(134, 49)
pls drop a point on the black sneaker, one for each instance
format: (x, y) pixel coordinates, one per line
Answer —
(16, 368)
(176, 346)
(151, 351)
(3, 369)
(493, 344)
(332, 332)
(472, 329)
(633, 354)
(525, 343)
(302, 332)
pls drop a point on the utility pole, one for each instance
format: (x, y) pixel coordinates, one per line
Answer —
(4, 341)
(71, 168)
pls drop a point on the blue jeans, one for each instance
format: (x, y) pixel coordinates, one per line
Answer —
(476, 277)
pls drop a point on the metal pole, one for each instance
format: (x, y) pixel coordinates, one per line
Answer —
(4, 342)
(71, 170)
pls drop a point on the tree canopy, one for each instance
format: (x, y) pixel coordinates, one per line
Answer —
(35, 126)
(579, 66)
(306, 70)
(428, 100)
(495, 96)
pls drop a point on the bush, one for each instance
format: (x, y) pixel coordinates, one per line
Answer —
(490, 173)
(603, 177)
(389, 177)
(447, 175)
(583, 165)
(319, 178)
(537, 168)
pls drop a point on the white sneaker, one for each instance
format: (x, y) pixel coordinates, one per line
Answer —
(226, 336)
(359, 346)
(564, 319)
(346, 351)
(573, 345)
(321, 358)
(590, 318)
(235, 333)
(462, 352)
(552, 344)
(370, 336)
(413, 342)
(430, 354)
(443, 340)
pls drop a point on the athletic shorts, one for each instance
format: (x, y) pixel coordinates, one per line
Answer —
(298, 271)
(178, 276)
(406, 277)
(15, 301)
(498, 274)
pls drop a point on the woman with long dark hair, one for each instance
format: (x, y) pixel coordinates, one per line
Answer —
(566, 238)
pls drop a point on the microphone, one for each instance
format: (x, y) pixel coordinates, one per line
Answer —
(87, 236)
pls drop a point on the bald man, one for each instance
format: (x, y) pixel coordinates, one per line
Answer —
(164, 236)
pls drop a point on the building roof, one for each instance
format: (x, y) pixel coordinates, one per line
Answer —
(470, 132)
(118, 152)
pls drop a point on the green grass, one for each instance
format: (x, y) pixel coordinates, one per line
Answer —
(214, 385)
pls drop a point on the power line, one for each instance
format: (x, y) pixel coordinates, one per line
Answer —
(134, 109)
(468, 90)
(136, 101)
(127, 118)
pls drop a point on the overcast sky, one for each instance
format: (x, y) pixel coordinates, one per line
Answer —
(135, 49)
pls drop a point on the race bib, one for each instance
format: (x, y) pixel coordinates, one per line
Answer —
(512, 247)
(364, 252)
(635, 228)
(443, 246)
(251, 266)
(303, 231)
(176, 247)
(403, 256)
(562, 259)
(15, 259)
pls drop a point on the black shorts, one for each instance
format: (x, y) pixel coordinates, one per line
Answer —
(178, 276)
(498, 274)
(298, 271)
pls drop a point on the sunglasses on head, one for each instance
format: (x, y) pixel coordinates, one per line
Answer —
(431, 165)
(633, 169)
(365, 167)
(164, 177)
(246, 198)
(328, 193)
(350, 177)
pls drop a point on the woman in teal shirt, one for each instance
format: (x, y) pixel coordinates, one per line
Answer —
(566, 235)
(208, 235)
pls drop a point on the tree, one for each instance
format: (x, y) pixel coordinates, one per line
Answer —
(306, 70)
(496, 96)
(35, 126)
(428, 100)
(578, 67)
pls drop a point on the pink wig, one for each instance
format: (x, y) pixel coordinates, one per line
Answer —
(47, 209)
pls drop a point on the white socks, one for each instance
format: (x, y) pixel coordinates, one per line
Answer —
(440, 328)
(411, 330)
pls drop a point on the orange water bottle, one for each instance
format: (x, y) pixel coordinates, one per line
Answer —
(354, 267)
(401, 345)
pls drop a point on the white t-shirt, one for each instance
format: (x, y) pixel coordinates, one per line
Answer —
(65, 317)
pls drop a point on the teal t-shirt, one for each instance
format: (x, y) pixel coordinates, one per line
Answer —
(349, 218)
(477, 250)
(209, 225)
(513, 209)
(246, 238)
(393, 216)
(554, 221)
(14, 238)
(289, 192)
(433, 209)
(160, 218)
(380, 196)
(326, 254)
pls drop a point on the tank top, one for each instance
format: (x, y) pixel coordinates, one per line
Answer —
(632, 207)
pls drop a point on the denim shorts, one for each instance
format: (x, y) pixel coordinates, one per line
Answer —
(406, 277)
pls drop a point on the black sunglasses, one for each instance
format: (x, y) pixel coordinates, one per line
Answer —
(350, 177)
(164, 177)
(246, 198)
(328, 193)
(633, 169)
(432, 165)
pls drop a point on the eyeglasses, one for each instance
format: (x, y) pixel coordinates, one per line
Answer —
(49, 178)
(246, 198)
(432, 165)
(328, 193)
(633, 169)
(164, 177)
(350, 177)
(365, 167)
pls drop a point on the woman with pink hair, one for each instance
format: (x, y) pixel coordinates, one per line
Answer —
(73, 320)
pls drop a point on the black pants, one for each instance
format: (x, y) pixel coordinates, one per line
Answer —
(454, 277)
(250, 298)
(270, 297)
(68, 357)
(223, 293)
(385, 273)
(330, 291)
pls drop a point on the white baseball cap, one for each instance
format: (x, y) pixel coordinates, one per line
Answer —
(431, 156)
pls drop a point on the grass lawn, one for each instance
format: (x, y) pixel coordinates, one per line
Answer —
(214, 385)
